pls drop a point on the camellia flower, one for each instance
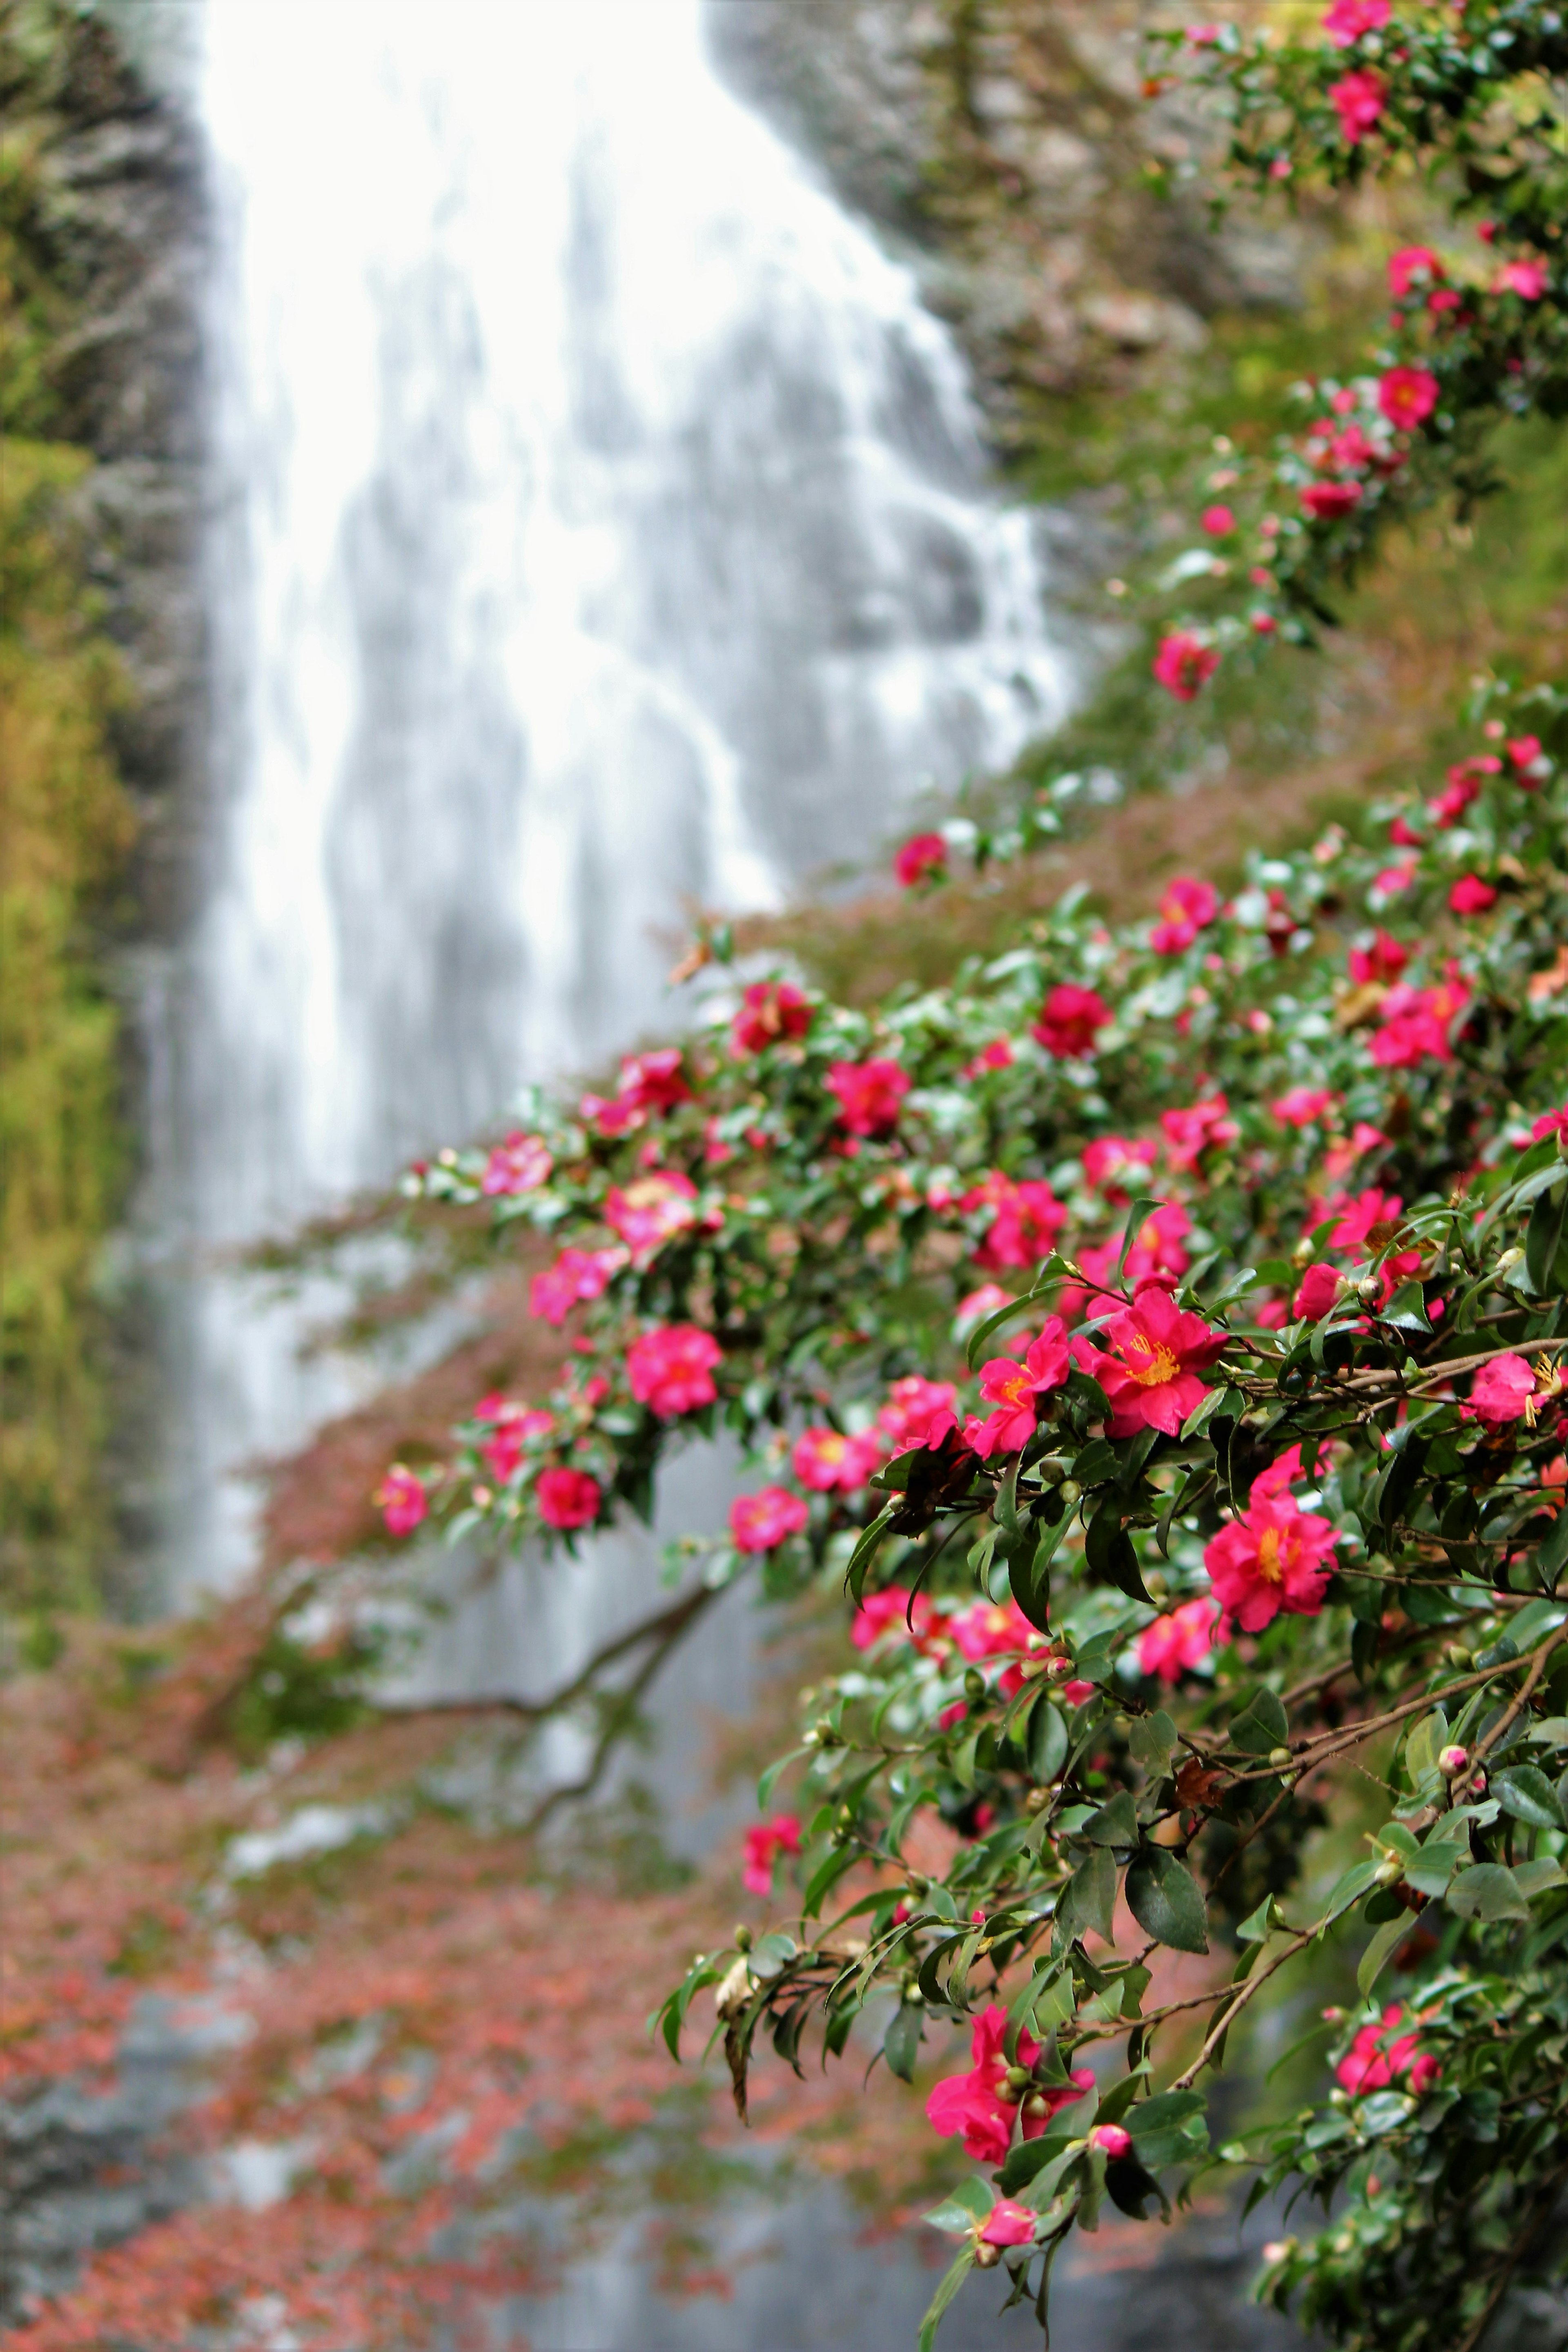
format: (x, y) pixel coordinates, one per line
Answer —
(1347, 20)
(1528, 280)
(1394, 879)
(992, 1629)
(1385, 960)
(1370, 2065)
(1503, 1390)
(1069, 1020)
(1304, 1106)
(771, 1012)
(921, 1620)
(1027, 1219)
(1327, 501)
(514, 1425)
(1275, 1557)
(651, 1210)
(650, 1085)
(765, 1843)
(1156, 1253)
(1149, 1366)
(763, 1521)
(1009, 2224)
(914, 1404)
(1359, 101)
(1218, 521)
(402, 1501)
(1524, 751)
(1471, 895)
(1187, 908)
(1012, 1389)
(1185, 663)
(1417, 1022)
(671, 1368)
(824, 1459)
(567, 1498)
(1201, 1127)
(1114, 1162)
(1179, 1640)
(520, 1164)
(1404, 834)
(1551, 1122)
(1411, 263)
(996, 1055)
(922, 858)
(1113, 2140)
(1356, 1229)
(979, 2103)
(1407, 396)
(869, 1094)
(577, 1276)
(1318, 1295)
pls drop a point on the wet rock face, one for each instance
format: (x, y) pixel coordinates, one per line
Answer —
(1008, 144)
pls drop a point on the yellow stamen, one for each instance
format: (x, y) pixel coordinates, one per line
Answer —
(1161, 1366)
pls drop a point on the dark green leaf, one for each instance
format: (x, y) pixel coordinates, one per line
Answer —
(943, 2297)
(1047, 1745)
(1262, 1726)
(1525, 1791)
(1116, 1823)
(1543, 1234)
(1089, 1898)
(1166, 1900)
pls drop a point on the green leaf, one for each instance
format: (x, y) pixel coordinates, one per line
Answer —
(1153, 1741)
(1380, 1950)
(1170, 2129)
(943, 2297)
(1047, 1746)
(901, 2042)
(1032, 1584)
(770, 1779)
(970, 2203)
(866, 1552)
(1524, 1790)
(1141, 1209)
(1262, 1726)
(1166, 1899)
(1108, 1549)
(1489, 1891)
(1115, 1822)
(1349, 1888)
(1089, 1898)
(1543, 1234)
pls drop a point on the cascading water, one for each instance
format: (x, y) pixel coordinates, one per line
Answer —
(600, 529)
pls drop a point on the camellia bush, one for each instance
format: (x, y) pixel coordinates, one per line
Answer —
(1159, 1335)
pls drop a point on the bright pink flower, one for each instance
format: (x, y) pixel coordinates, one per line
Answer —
(1275, 1557)
(1524, 750)
(771, 1012)
(998, 1055)
(1074, 1693)
(1503, 1390)
(1404, 835)
(520, 1164)
(651, 1210)
(922, 858)
(763, 1521)
(1374, 2061)
(1026, 1220)
(1114, 1162)
(869, 1094)
(1115, 2140)
(1187, 908)
(1156, 1254)
(1394, 879)
(1318, 1291)
(1471, 895)
(1009, 2224)
(1551, 1122)
(577, 1275)
(1357, 1218)
(1358, 101)
(976, 1304)
(1069, 1021)
(514, 1425)
(1417, 1023)
(650, 1085)
(567, 1498)
(1183, 664)
(1385, 960)
(1203, 36)
(979, 2103)
(1149, 1364)
(1201, 1127)
(1218, 521)
(765, 1843)
(1012, 1388)
(1407, 396)
(1304, 1106)
(671, 1368)
(991, 1629)
(402, 1500)
(826, 1460)
(1173, 1643)
(892, 1611)
(1528, 280)
(1413, 262)
(913, 1405)
(1327, 501)
(1347, 20)
(1350, 452)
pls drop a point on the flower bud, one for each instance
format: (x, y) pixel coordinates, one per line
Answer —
(1018, 2080)
(1060, 1668)
(1479, 1785)
(973, 1685)
(986, 2257)
(1114, 2138)
(1036, 1801)
(1511, 1258)
(1071, 1492)
(1036, 2104)
(1279, 1757)
(742, 1938)
(1451, 1760)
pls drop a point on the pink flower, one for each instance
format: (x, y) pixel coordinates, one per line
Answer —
(1385, 960)
(892, 1611)
(514, 1425)
(1358, 1219)
(1394, 879)
(1528, 280)
(1115, 2140)
(998, 1055)
(1009, 2224)
(1203, 37)
(1183, 664)
(1187, 908)
(1114, 1162)
(650, 1085)
(577, 1275)
(1027, 1218)
(1075, 1693)
(1201, 1127)
(1149, 1366)
(1275, 1557)
(913, 1405)
(991, 1629)
(763, 1521)
(1417, 1023)
(869, 1094)
(1156, 1254)
(1411, 263)
(1407, 396)
(402, 1500)
(1012, 1388)
(1471, 895)
(923, 859)
(1551, 1122)
(1404, 834)
(1502, 1390)
(1182, 1640)
(979, 2103)
(1218, 521)
(520, 1164)
(651, 1210)
(771, 1012)
(1369, 2067)
(1327, 501)
(1069, 1020)
(824, 1459)
(1304, 1106)
(1524, 750)
(765, 1843)
(1320, 1289)
(1347, 20)
(671, 1368)
(1358, 101)
(567, 1498)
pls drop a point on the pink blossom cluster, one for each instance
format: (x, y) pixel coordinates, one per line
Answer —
(980, 2106)
(1273, 1556)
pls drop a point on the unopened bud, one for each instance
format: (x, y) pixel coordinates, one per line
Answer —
(1114, 2138)
(1451, 1760)
(1456, 1653)
(1017, 2079)
(1037, 2105)
(986, 2257)
(1369, 1290)
(1279, 1757)
(1071, 1492)
(1060, 1668)
(742, 1938)
(1388, 1872)
(1036, 1801)
(1509, 1260)
(973, 1685)
(1333, 2015)
(1479, 1785)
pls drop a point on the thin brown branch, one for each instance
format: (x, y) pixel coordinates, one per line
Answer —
(665, 1626)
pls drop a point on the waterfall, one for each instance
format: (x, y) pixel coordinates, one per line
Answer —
(599, 529)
